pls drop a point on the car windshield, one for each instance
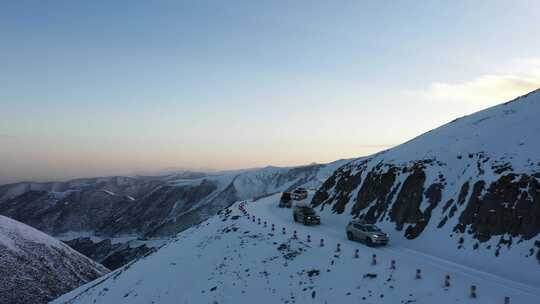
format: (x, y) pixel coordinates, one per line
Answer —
(372, 228)
(308, 211)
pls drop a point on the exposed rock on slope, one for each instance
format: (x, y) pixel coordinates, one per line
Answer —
(473, 182)
(36, 268)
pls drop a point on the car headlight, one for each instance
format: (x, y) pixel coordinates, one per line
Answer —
(309, 217)
(375, 236)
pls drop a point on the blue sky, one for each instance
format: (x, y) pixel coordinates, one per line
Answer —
(100, 87)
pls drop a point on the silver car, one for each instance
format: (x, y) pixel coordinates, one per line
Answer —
(370, 234)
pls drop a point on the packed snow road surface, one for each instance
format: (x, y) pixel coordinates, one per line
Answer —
(232, 258)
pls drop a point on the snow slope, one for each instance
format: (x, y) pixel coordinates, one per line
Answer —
(35, 268)
(232, 259)
(466, 192)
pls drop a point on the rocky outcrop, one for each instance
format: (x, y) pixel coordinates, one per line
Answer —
(510, 205)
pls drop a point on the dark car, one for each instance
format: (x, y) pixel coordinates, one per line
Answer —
(306, 215)
(286, 200)
(299, 194)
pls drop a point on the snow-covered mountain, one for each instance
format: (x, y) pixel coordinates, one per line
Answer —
(232, 259)
(468, 191)
(36, 268)
(461, 201)
(106, 218)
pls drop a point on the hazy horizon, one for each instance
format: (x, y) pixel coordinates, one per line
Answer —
(99, 88)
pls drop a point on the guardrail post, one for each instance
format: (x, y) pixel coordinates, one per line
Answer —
(473, 291)
(447, 281)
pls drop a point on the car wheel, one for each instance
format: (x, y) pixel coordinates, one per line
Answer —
(369, 242)
(349, 236)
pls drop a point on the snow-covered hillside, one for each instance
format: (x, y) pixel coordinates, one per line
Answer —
(468, 191)
(232, 259)
(35, 268)
(136, 209)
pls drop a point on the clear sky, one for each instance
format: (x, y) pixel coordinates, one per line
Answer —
(92, 88)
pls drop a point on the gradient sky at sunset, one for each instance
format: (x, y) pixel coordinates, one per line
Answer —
(92, 88)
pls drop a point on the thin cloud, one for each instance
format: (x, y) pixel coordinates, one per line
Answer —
(514, 79)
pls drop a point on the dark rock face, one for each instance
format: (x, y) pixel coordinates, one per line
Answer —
(511, 205)
(376, 188)
(406, 207)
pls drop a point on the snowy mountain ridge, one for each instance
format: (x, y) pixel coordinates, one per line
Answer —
(468, 191)
(461, 204)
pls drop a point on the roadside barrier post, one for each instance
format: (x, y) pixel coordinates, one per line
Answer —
(283, 230)
(322, 243)
(294, 236)
(473, 291)
(418, 274)
(273, 227)
(393, 265)
(264, 224)
(356, 255)
(338, 248)
(308, 238)
(506, 300)
(447, 281)
(374, 259)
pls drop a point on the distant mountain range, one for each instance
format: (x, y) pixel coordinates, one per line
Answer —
(116, 219)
